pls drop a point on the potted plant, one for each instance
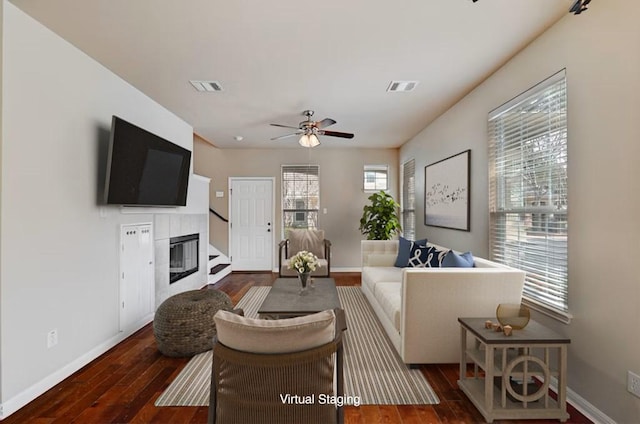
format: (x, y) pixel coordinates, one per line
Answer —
(380, 218)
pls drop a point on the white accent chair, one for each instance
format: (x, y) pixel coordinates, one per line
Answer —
(305, 239)
(260, 367)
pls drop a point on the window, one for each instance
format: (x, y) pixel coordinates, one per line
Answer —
(300, 196)
(408, 199)
(300, 217)
(375, 177)
(528, 191)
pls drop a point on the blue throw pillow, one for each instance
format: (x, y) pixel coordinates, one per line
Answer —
(452, 259)
(422, 256)
(404, 249)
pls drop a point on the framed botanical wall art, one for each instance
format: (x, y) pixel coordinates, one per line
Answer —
(446, 192)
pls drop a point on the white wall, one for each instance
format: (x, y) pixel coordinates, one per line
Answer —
(1, 130)
(601, 51)
(59, 249)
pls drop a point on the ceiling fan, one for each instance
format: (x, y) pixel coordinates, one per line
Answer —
(310, 130)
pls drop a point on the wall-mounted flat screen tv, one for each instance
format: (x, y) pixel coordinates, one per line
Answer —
(144, 169)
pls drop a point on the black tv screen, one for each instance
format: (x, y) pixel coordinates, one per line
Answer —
(144, 169)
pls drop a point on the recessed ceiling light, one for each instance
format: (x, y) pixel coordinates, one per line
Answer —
(206, 86)
(238, 138)
(402, 85)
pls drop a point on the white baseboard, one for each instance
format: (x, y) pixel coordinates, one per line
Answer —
(29, 394)
(587, 409)
(582, 405)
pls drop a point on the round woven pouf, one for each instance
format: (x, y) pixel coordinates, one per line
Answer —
(183, 324)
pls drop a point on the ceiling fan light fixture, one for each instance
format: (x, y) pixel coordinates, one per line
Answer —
(309, 140)
(313, 140)
(309, 130)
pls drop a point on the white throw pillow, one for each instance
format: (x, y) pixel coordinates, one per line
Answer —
(275, 336)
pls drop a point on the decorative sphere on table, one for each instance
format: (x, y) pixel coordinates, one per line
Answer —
(513, 314)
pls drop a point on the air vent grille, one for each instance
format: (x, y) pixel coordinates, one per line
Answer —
(206, 86)
(402, 86)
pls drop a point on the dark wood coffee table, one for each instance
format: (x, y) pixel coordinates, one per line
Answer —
(285, 301)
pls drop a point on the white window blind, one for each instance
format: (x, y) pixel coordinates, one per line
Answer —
(408, 201)
(528, 191)
(300, 196)
(376, 177)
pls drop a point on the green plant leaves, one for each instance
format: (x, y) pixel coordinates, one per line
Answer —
(380, 218)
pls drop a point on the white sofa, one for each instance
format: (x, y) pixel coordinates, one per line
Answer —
(419, 307)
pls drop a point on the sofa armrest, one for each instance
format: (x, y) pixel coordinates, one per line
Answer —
(433, 300)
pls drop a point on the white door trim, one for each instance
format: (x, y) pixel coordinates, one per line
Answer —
(273, 213)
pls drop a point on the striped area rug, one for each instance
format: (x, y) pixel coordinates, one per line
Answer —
(372, 369)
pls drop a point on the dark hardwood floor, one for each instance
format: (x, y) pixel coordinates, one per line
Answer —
(122, 385)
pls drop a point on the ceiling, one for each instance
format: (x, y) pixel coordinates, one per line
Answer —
(275, 59)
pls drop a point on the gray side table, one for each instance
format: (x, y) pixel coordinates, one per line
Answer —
(526, 354)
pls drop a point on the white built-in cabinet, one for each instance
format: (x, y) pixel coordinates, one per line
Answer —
(137, 282)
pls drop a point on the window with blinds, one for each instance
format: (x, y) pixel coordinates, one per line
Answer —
(300, 196)
(376, 177)
(408, 200)
(528, 191)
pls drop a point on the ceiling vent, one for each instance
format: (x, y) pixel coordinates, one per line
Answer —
(208, 86)
(402, 86)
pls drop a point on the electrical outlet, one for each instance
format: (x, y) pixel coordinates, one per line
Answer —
(633, 383)
(52, 338)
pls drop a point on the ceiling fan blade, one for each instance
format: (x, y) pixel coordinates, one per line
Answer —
(336, 134)
(287, 135)
(283, 126)
(325, 123)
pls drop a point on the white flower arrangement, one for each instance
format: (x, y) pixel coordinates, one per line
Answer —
(303, 262)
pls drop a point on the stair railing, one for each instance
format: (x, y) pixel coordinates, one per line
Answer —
(218, 215)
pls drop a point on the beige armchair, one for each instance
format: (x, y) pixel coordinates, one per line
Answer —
(262, 367)
(305, 239)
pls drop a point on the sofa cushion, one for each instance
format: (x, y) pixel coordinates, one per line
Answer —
(426, 256)
(372, 275)
(389, 297)
(455, 260)
(376, 274)
(404, 250)
(275, 336)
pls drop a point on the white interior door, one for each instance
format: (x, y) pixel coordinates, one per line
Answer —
(252, 228)
(137, 285)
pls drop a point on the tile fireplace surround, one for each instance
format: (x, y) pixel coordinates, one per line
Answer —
(167, 226)
(183, 256)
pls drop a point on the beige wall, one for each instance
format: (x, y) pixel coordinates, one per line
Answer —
(341, 190)
(600, 50)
